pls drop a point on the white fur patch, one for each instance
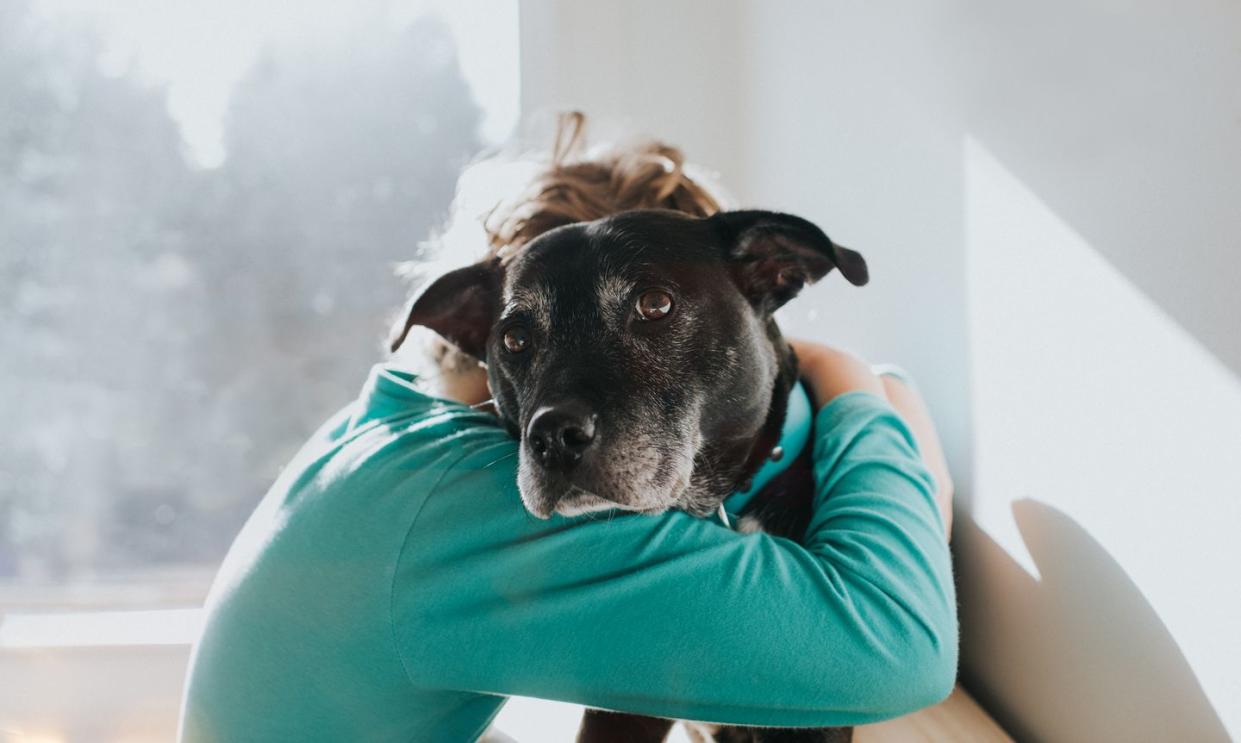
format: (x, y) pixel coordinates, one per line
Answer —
(748, 525)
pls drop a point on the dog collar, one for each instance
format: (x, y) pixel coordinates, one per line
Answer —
(794, 434)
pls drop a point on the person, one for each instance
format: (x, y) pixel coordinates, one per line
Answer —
(391, 586)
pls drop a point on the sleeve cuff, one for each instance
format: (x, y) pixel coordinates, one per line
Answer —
(844, 414)
(848, 405)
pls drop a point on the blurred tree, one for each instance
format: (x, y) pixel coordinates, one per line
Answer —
(171, 335)
(86, 162)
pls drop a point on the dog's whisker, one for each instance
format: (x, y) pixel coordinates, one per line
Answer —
(510, 455)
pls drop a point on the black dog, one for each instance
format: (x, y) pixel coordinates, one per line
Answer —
(637, 359)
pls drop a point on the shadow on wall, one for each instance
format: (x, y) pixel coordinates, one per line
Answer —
(1147, 689)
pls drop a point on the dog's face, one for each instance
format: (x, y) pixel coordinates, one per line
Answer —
(635, 356)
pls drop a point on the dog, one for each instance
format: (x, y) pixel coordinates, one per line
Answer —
(638, 361)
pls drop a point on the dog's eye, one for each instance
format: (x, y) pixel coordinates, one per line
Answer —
(516, 339)
(654, 304)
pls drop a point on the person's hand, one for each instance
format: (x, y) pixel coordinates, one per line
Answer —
(830, 372)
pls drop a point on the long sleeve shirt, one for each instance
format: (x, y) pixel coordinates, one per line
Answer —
(391, 586)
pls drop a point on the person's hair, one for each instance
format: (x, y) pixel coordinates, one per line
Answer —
(579, 186)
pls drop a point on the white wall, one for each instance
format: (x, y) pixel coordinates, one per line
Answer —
(1048, 196)
(744, 99)
(644, 67)
(1102, 541)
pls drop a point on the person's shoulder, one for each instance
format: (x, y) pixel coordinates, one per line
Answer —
(479, 457)
(439, 418)
(466, 437)
(395, 442)
(396, 405)
(460, 447)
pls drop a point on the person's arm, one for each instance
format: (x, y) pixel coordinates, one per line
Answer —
(675, 616)
(913, 410)
(830, 371)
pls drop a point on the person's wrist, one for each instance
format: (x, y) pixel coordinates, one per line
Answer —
(830, 373)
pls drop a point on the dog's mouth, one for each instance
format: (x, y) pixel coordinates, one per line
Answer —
(627, 484)
(577, 502)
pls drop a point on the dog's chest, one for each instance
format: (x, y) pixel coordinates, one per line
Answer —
(783, 508)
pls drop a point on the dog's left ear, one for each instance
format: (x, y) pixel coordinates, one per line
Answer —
(461, 306)
(774, 255)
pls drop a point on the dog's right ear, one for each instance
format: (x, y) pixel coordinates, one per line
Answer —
(461, 306)
(774, 255)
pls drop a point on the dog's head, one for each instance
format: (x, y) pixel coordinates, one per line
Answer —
(635, 356)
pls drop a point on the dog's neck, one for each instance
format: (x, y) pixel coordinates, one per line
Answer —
(759, 465)
(769, 435)
(794, 436)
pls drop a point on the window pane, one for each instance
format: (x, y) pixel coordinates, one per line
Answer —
(201, 204)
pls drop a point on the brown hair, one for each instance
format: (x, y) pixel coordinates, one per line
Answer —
(580, 187)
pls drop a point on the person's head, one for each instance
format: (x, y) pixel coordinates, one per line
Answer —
(575, 185)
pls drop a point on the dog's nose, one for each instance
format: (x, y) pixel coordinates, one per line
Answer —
(558, 434)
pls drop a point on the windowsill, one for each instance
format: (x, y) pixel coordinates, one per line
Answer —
(100, 629)
(142, 608)
(172, 586)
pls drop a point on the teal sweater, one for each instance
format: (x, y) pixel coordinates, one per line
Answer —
(390, 587)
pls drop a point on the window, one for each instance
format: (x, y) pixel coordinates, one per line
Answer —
(201, 207)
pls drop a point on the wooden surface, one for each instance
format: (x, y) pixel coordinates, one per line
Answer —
(958, 719)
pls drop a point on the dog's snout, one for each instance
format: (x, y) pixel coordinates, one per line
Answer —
(559, 434)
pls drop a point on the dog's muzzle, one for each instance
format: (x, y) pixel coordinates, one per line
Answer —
(573, 463)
